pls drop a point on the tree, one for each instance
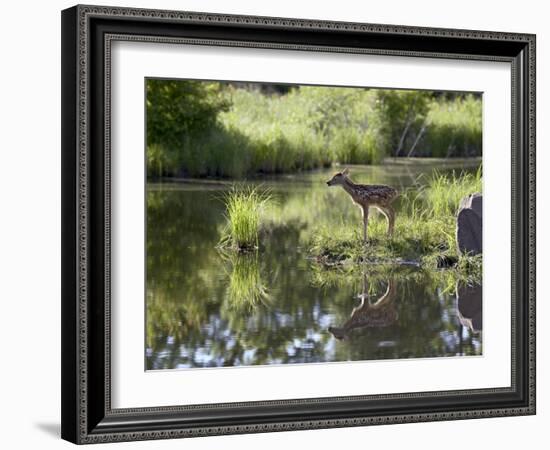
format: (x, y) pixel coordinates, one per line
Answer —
(176, 109)
(402, 115)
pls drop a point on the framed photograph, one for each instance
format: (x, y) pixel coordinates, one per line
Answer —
(281, 224)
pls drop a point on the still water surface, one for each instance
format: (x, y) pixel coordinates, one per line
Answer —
(207, 308)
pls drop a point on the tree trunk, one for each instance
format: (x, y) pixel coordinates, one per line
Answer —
(418, 137)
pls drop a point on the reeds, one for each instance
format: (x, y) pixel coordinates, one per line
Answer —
(312, 127)
(244, 205)
(444, 192)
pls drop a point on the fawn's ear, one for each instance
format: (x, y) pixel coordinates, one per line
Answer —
(345, 171)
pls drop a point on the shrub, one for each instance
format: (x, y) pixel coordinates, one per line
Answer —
(200, 129)
(454, 128)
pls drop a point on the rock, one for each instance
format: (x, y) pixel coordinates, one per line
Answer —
(473, 201)
(469, 225)
(469, 301)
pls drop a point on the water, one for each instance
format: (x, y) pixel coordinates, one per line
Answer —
(207, 308)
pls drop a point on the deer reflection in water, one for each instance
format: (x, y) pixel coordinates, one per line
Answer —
(381, 313)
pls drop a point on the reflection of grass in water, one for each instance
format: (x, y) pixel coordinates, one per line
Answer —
(424, 230)
(339, 276)
(246, 289)
(352, 274)
(234, 132)
(244, 205)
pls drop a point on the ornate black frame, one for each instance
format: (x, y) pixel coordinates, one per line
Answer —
(87, 31)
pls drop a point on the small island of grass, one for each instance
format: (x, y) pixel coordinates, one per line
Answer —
(425, 231)
(244, 205)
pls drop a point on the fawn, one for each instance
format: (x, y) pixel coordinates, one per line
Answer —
(367, 195)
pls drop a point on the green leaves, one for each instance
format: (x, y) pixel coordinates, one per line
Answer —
(234, 130)
(178, 109)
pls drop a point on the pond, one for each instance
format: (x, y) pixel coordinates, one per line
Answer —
(212, 308)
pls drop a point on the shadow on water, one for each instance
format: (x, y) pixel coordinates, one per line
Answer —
(208, 308)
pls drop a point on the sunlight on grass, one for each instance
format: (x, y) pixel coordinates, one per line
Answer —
(211, 129)
(445, 192)
(244, 206)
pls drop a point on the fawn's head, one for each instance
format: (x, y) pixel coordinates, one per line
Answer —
(338, 178)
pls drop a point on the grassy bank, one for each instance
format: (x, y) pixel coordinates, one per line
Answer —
(219, 130)
(424, 231)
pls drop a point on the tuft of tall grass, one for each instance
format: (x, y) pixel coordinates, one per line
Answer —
(444, 192)
(244, 205)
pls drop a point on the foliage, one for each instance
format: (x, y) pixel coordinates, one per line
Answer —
(454, 128)
(176, 110)
(399, 112)
(445, 192)
(212, 129)
(244, 206)
(421, 123)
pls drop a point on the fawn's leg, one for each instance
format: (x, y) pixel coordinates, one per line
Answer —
(389, 212)
(391, 219)
(365, 210)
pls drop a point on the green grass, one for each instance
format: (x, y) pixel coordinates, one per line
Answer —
(246, 289)
(244, 205)
(444, 193)
(424, 231)
(309, 128)
(352, 275)
(454, 128)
